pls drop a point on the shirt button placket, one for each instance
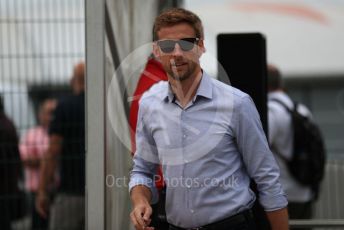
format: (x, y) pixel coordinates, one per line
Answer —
(183, 143)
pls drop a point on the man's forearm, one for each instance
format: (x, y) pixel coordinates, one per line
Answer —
(48, 167)
(49, 162)
(140, 193)
(278, 219)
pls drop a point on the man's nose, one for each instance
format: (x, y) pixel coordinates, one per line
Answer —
(177, 50)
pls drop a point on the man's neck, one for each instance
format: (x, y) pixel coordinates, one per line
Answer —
(185, 90)
(278, 90)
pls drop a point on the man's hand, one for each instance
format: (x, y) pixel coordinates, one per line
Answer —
(42, 204)
(142, 211)
(140, 216)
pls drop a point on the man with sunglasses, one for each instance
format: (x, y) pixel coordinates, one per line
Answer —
(208, 138)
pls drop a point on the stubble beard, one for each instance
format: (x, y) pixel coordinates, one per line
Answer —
(181, 76)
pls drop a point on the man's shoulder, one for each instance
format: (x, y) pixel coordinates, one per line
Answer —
(64, 100)
(275, 98)
(69, 101)
(303, 110)
(155, 93)
(225, 89)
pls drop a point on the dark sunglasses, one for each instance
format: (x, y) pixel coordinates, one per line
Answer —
(186, 44)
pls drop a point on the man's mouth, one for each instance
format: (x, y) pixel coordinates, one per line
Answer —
(176, 65)
(179, 64)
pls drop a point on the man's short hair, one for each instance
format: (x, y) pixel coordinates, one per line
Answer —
(176, 16)
(274, 78)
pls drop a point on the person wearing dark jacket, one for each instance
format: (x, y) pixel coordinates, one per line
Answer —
(10, 170)
(66, 152)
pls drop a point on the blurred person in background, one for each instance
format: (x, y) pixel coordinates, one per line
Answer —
(10, 170)
(66, 151)
(33, 146)
(281, 142)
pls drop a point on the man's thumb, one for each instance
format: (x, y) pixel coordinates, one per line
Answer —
(147, 214)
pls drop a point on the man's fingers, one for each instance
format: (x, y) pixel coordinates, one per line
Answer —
(139, 219)
(147, 214)
(135, 223)
(148, 222)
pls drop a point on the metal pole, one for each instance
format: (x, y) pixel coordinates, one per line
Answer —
(317, 223)
(95, 115)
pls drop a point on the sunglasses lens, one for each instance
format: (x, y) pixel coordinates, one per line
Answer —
(167, 46)
(187, 44)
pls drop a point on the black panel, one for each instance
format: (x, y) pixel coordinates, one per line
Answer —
(243, 57)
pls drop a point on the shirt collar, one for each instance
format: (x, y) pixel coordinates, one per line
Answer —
(204, 89)
(276, 95)
(169, 94)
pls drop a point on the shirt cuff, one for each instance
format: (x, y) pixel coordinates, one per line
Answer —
(149, 183)
(273, 203)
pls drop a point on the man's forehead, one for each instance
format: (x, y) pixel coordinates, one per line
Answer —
(177, 31)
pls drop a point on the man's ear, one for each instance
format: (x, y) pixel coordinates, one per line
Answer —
(156, 50)
(201, 46)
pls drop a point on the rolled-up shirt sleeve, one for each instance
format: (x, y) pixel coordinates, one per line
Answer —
(257, 157)
(145, 162)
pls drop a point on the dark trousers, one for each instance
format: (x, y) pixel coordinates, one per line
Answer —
(5, 219)
(159, 221)
(300, 211)
(37, 222)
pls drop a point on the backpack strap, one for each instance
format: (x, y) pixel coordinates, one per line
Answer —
(284, 105)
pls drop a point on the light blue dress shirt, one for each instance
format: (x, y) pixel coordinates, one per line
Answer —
(208, 150)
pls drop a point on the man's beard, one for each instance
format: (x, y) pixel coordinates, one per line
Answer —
(181, 76)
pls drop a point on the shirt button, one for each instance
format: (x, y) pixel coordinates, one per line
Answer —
(192, 211)
(184, 136)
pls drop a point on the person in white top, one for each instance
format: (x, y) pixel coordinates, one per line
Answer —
(281, 142)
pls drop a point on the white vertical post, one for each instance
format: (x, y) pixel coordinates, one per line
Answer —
(95, 115)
